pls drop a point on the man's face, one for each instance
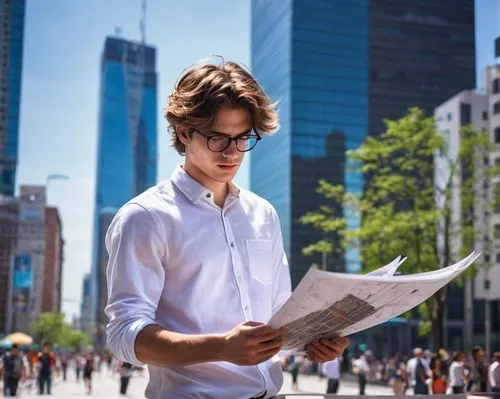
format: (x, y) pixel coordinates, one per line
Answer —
(46, 348)
(222, 166)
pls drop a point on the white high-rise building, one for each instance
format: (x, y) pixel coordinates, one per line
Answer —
(481, 299)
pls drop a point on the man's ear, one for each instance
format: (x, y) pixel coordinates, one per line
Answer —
(182, 132)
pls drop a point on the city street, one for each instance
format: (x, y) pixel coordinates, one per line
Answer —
(106, 387)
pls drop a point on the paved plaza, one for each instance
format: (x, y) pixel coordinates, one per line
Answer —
(106, 387)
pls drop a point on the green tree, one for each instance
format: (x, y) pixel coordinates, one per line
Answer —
(405, 207)
(48, 327)
(51, 327)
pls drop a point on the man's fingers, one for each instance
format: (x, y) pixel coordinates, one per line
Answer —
(275, 343)
(263, 356)
(338, 343)
(317, 354)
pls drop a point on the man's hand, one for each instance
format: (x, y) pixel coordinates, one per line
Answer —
(251, 343)
(324, 350)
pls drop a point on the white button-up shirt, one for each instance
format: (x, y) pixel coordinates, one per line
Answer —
(178, 260)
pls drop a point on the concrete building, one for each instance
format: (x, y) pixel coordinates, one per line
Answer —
(31, 258)
(467, 107)
(52, 277)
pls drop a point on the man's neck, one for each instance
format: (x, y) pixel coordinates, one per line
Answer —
(220, 190)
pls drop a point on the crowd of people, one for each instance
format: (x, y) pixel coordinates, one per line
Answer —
(424, 373)
(35, 371)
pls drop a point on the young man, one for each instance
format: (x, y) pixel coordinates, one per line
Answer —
(196, 264)
(46, 362)
(13, 369)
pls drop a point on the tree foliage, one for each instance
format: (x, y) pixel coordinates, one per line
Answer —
(51, 327)
(406, 209)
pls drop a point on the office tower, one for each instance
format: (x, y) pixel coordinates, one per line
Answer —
(11, 66)
(343, 66)
(126, 160)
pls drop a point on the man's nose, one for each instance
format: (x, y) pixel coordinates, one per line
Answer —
(230, 151)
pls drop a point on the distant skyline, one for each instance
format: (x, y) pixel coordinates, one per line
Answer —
(60, 91)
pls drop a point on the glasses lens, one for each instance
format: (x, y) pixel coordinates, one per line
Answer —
(246, 143)
(218, 143)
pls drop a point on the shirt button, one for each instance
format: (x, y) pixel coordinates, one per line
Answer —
(246, 308)
(208, 195)
(232, 244)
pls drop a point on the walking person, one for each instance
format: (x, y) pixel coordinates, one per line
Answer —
(88, 370)
(198, 263)
(79, 363)
(331, 370)
(457, 376)
(418, 372)
(479, 374)
(13, 370)
(46, 362)
(64, 366)
(439, 384)
(361, 368)
(125, 374)
(494, 373)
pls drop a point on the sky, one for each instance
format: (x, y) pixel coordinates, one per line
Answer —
(60, 92)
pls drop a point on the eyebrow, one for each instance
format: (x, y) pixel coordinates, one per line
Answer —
(227, 135)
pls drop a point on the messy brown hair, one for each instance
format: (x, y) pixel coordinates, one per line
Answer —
(201, 90)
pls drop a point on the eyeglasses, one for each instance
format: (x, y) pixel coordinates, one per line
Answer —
(218, 142)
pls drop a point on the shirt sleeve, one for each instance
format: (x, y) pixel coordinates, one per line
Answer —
(282, 286)
(135, 278)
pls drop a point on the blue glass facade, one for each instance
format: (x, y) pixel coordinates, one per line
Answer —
(127, 142)
(11, 59)
(270, 161)
(339, 67)
(313, 57)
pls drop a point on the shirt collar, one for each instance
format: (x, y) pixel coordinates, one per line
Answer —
(193, 190)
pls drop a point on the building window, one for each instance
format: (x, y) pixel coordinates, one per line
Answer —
(486, 161)
(496, 232)
(496, 108)
(498, 257)
(486, 258)
(496, 197)
(485, 115)
(449, 116)
(497, 135)
(496, 86)
(465, 114)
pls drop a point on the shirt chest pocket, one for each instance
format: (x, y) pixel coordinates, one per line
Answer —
(260, 259)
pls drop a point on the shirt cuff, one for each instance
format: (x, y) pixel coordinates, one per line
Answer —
(129, 341)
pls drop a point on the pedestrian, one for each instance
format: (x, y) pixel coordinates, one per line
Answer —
(88, 369)
(45, 363)
(64, 366)
(331, 370)
(439, 384)
(457, 377)
(13, 370)
(361, 368)
(79, 363)
(494, 373)
(196, 262)
(125, 374)
(478, 381)
(419, 371)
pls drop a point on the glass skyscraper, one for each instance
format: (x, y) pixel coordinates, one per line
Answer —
(11, 67)
(338, 68)
(127, 144)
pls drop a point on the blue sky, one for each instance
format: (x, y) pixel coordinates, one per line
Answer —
(58, 130)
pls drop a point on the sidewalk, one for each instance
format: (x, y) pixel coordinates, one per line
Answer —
(106, 386)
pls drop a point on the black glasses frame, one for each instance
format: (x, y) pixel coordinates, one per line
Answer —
(230, 139)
